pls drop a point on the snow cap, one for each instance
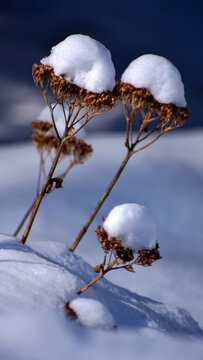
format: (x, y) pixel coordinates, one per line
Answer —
(59, 119)
(159, 76)
(133, 225)
(84, 62)
(92, 313)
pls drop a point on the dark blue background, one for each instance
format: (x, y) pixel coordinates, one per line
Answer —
(128, 28)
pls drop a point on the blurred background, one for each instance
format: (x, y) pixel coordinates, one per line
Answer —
(28, 30)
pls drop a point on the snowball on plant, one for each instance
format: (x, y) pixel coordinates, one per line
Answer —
(90, 313)
(84, 62)
(159, 76)
(128, 237)
(133, 225)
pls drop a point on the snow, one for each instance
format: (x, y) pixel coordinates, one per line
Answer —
(167, 179)
(84, 62)
(46, 275)
(59, 119)
(159, 76)
(133, 225)
(92, 313)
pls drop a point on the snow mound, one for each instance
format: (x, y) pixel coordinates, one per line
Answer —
(133, 225)
(47, 276)
(159, 76)
(92, 313)
(59, 119)
(84, 62)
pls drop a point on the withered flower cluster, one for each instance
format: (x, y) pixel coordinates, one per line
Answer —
(41, 138)
(71, 92)
(114, 246)
(116, 256)
(77, 148)
(124, 255)
(141, 100)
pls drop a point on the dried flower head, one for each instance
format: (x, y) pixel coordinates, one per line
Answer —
(41, 126)
(124, 255)
(82, 151)
(140, 99)
(71, 92)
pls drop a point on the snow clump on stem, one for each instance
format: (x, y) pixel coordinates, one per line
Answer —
(133, 225)
(84, 62)
(159, 76)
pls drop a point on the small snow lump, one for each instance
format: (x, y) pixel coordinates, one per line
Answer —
(159, 76)
(84, 62)
(133, 225)
(92, 313)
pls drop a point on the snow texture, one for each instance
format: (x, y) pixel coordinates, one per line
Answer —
(59, 119)
(92, 313)
(133, 225)
(84, 62)
(167, 178)
(47, 275)
(159, 76)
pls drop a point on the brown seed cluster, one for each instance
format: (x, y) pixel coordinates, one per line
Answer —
(124, 254)
(40, 137)
(147, 104)
(147, 257)
(71, 92)
(77, 148)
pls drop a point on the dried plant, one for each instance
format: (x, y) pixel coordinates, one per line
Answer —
(153, 120)
(82, 105)
(116, 256)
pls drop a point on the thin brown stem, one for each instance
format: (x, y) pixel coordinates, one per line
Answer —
(52, 114)
(100, 202)
(39, 173)
(98, 277)
(41, 170)
(24, 219)
(71, 165)
(151, 142)
(41, 195)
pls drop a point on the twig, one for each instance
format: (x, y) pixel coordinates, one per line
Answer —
(100, 202)
(98, 277)
(41, 194)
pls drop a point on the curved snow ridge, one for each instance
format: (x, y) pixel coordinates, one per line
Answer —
(159, 76)
(84, 62)
(49, 276)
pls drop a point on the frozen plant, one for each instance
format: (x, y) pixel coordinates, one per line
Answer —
(77, 81)
(84, 62)
(78, 76)
(75, 150)
(152, 95)
(128, 237)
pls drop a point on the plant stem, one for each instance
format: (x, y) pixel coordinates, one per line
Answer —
(100, 202)
(97, 277)
(24, 219)
(41, 195)
(72, 164)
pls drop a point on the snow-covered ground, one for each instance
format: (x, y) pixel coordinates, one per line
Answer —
(167, 179)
